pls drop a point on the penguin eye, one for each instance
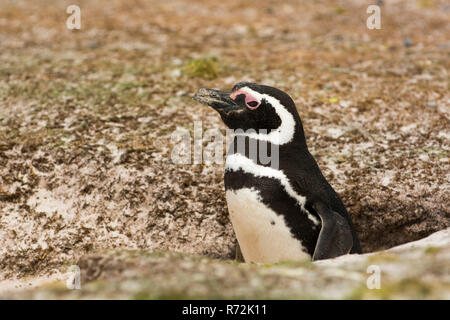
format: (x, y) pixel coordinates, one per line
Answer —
(252, 104)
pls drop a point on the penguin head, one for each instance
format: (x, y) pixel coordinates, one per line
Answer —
(256, 107)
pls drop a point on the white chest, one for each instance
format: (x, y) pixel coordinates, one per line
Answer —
(262, 234)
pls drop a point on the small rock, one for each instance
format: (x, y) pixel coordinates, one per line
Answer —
(407, 42)
(409, 128)
(431, 104)
(93, 44)
(335, 132)
(175, 73)
(345, 104)
(340, 160)
(177, 62)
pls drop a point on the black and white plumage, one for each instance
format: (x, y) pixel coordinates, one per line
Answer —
(288, 212)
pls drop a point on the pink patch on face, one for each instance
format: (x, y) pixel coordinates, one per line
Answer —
(234, 94)
(250, 101)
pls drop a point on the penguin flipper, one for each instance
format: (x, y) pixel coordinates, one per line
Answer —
(335, 237)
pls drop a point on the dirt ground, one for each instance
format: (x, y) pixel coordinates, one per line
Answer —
(86, 118)
(140, 274)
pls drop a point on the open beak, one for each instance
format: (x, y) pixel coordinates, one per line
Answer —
(219, 100)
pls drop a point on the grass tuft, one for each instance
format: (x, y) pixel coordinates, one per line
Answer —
(206, 68)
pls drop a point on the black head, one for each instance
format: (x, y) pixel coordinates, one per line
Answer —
(254, 106)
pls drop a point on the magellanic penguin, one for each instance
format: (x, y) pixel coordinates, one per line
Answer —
(283, 212)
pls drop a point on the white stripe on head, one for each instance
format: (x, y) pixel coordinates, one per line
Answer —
(285, 132)
(237, 161)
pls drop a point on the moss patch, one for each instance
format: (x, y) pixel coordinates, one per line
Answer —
(206, 68)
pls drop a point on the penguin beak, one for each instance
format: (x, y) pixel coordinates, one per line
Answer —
(218, 100)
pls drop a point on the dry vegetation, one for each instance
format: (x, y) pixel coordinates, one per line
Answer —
(86, 118)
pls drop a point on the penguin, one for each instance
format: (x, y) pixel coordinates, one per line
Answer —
(281, 212)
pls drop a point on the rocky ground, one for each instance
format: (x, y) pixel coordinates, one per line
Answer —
(86, 118)
(125, 274)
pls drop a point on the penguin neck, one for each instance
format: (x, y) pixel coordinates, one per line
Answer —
(289, 136)
(259, 149)
(299, 140)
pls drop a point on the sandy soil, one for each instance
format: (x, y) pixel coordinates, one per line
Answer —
(140, 274)
(86, 118)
